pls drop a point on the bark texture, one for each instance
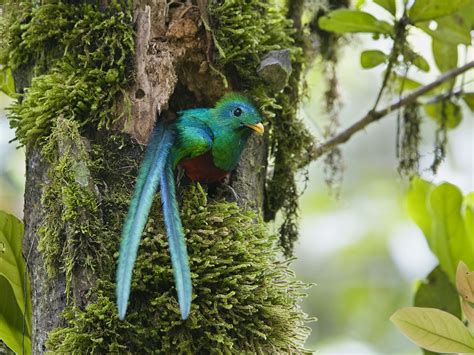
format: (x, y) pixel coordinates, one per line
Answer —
(48, 298)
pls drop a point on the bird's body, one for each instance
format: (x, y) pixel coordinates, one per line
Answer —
(207, 144)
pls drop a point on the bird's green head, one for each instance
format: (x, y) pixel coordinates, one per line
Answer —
(237, 112)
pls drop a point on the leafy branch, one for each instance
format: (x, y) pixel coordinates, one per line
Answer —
(375, 115)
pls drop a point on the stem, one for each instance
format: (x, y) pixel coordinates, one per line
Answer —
(373, 115)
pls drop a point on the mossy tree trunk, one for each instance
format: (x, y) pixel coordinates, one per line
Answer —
(84, 119)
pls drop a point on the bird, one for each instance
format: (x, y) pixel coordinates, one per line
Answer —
(207, 143)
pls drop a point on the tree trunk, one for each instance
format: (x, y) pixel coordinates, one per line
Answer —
(79, 182)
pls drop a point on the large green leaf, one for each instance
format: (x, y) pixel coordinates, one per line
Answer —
(13, 274)
(447, 113)
(423, 10)
(388, 5)
(372, 58)
(438, 211)
(434, 330)
(344, 21)
(451, 29)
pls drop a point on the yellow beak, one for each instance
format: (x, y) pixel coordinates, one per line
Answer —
(258, 128)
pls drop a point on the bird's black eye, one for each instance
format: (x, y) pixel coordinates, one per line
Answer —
(237, 112)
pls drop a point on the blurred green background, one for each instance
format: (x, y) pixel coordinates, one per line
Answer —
(360, 250)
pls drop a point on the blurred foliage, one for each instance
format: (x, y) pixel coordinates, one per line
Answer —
(15, 310)
(449, 23)
(447, 221)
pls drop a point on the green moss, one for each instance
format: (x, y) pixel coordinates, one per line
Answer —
(86, 48)
(245, 299)
(72, 235)
(244, 31)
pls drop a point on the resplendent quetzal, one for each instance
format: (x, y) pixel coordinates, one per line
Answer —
(207, 143)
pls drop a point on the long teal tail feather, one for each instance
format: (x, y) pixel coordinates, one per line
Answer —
(156, 157)
(176, 241)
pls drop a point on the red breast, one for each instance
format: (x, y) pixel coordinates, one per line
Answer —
(202, 169)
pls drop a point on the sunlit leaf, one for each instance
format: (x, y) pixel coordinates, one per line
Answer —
(434, 330)
(417, 205)
(344, 21)
(6, 81)
(469, 100)
(438, 292)
(372, 58)
(465, 282)
(469, 216)
(438, 212)
(451, 241)
(421, 63)
(446, 112)
(465, 288)
(13, 275)
(388, 5)
(468, 309)
(423, 10)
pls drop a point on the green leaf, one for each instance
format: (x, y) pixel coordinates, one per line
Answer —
(438, 212)
(434, 330)
(11, 319)
(417, 205)
(12, 274)
(438, 292)
(344, 21)
(372, 58)
(469, 219)
(388, 5)
(445, 55)
(469, 100)
(423, 10)
(405, 83)
(6, 81)
(445, 112)
(421, 63)
(452, 29)
(468, 14)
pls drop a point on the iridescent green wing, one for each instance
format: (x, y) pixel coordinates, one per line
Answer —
(193, 135)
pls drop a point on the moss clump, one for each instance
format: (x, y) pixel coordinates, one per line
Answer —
(97, 47)
(245, 31)
(244, 298)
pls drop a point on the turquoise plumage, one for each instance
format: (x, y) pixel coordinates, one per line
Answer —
(207, 143)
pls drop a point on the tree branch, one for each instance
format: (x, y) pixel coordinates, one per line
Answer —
(373, 115)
